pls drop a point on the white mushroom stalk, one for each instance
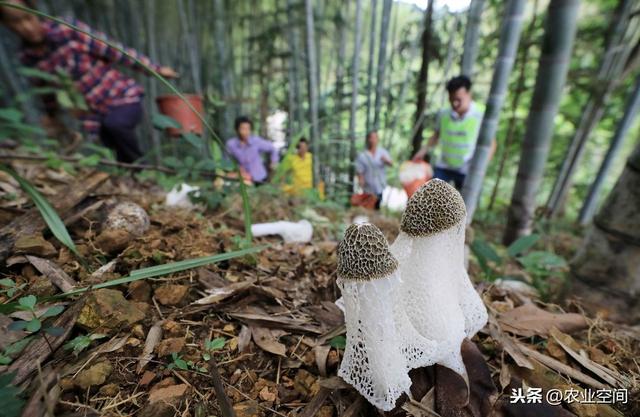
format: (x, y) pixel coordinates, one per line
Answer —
(437, 294)
(382, 346)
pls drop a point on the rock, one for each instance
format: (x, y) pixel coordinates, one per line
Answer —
(67, 384)
(33, 245)
(172, 328)
(113, 240)
(110, 390)
(95, 375)
(166, 382)
(147, 377)
(107, 309)
(127, 216)
(172, 393)
(170, 295)
(248, 409)
(138, 331)
(169, 346)
(306, 384)
(140, 291)
(133, 342)
(325, 411)
(268, 394)
(163, 401)
(41, 286)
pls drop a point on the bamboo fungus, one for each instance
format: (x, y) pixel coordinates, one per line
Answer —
(382, 344)
(437, 294)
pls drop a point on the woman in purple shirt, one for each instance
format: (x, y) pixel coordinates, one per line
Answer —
(246, 149)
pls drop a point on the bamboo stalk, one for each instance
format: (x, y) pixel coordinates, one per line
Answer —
(560, 29)
(509, 41)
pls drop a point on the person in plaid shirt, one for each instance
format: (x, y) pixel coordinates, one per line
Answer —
(114, 99)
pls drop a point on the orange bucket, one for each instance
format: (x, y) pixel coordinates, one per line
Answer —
(364, 200)
(173, 106)
(413, 186)
(413, 174)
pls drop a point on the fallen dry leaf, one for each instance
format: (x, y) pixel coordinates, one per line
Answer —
(529, 320)
(266, 340)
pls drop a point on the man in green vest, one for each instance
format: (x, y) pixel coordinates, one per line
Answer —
(457, 133)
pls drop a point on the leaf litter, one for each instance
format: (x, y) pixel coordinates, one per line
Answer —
(257, 335)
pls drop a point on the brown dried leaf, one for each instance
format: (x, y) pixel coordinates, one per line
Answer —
(153, 338)
(322, 352)
(244, 338)
(529, 320)
(611, 377)
(52, 271)
(219, 294)
(267, 341)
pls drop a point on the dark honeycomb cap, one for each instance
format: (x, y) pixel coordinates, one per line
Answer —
(364, 254)
(435, 207)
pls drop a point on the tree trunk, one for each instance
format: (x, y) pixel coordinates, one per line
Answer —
(520, 88)
(633, 105)
(560, 29)
(616, 53)
(153, 83)
(607, 267)
(382, 61)
(294, 76)
(372, 46)
(339, 91)
(391, 129)
(191, 45)
(312, 81)
(453, 34)
(355, 68)
(509, 40)
(423, 78)
(471, 37)
(224, 62)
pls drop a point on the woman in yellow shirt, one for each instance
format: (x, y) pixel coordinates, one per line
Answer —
(300, 164)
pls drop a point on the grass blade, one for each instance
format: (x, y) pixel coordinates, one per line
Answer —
(51, 218)
(170, 268)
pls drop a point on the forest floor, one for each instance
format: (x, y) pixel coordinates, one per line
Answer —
(263, 326)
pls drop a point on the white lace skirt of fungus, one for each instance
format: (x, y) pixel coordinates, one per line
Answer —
(437, 295)
(373, 361)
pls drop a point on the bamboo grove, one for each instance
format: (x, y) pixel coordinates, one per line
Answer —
(560, 79)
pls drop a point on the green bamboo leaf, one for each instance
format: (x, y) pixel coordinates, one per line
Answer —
(193, 139)
(170, 268)
(161, 121)
(11, 115)
(338, 342)
(485, 251)
(36, 73)
(64, 99)
(522, 244)
(54, 222)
